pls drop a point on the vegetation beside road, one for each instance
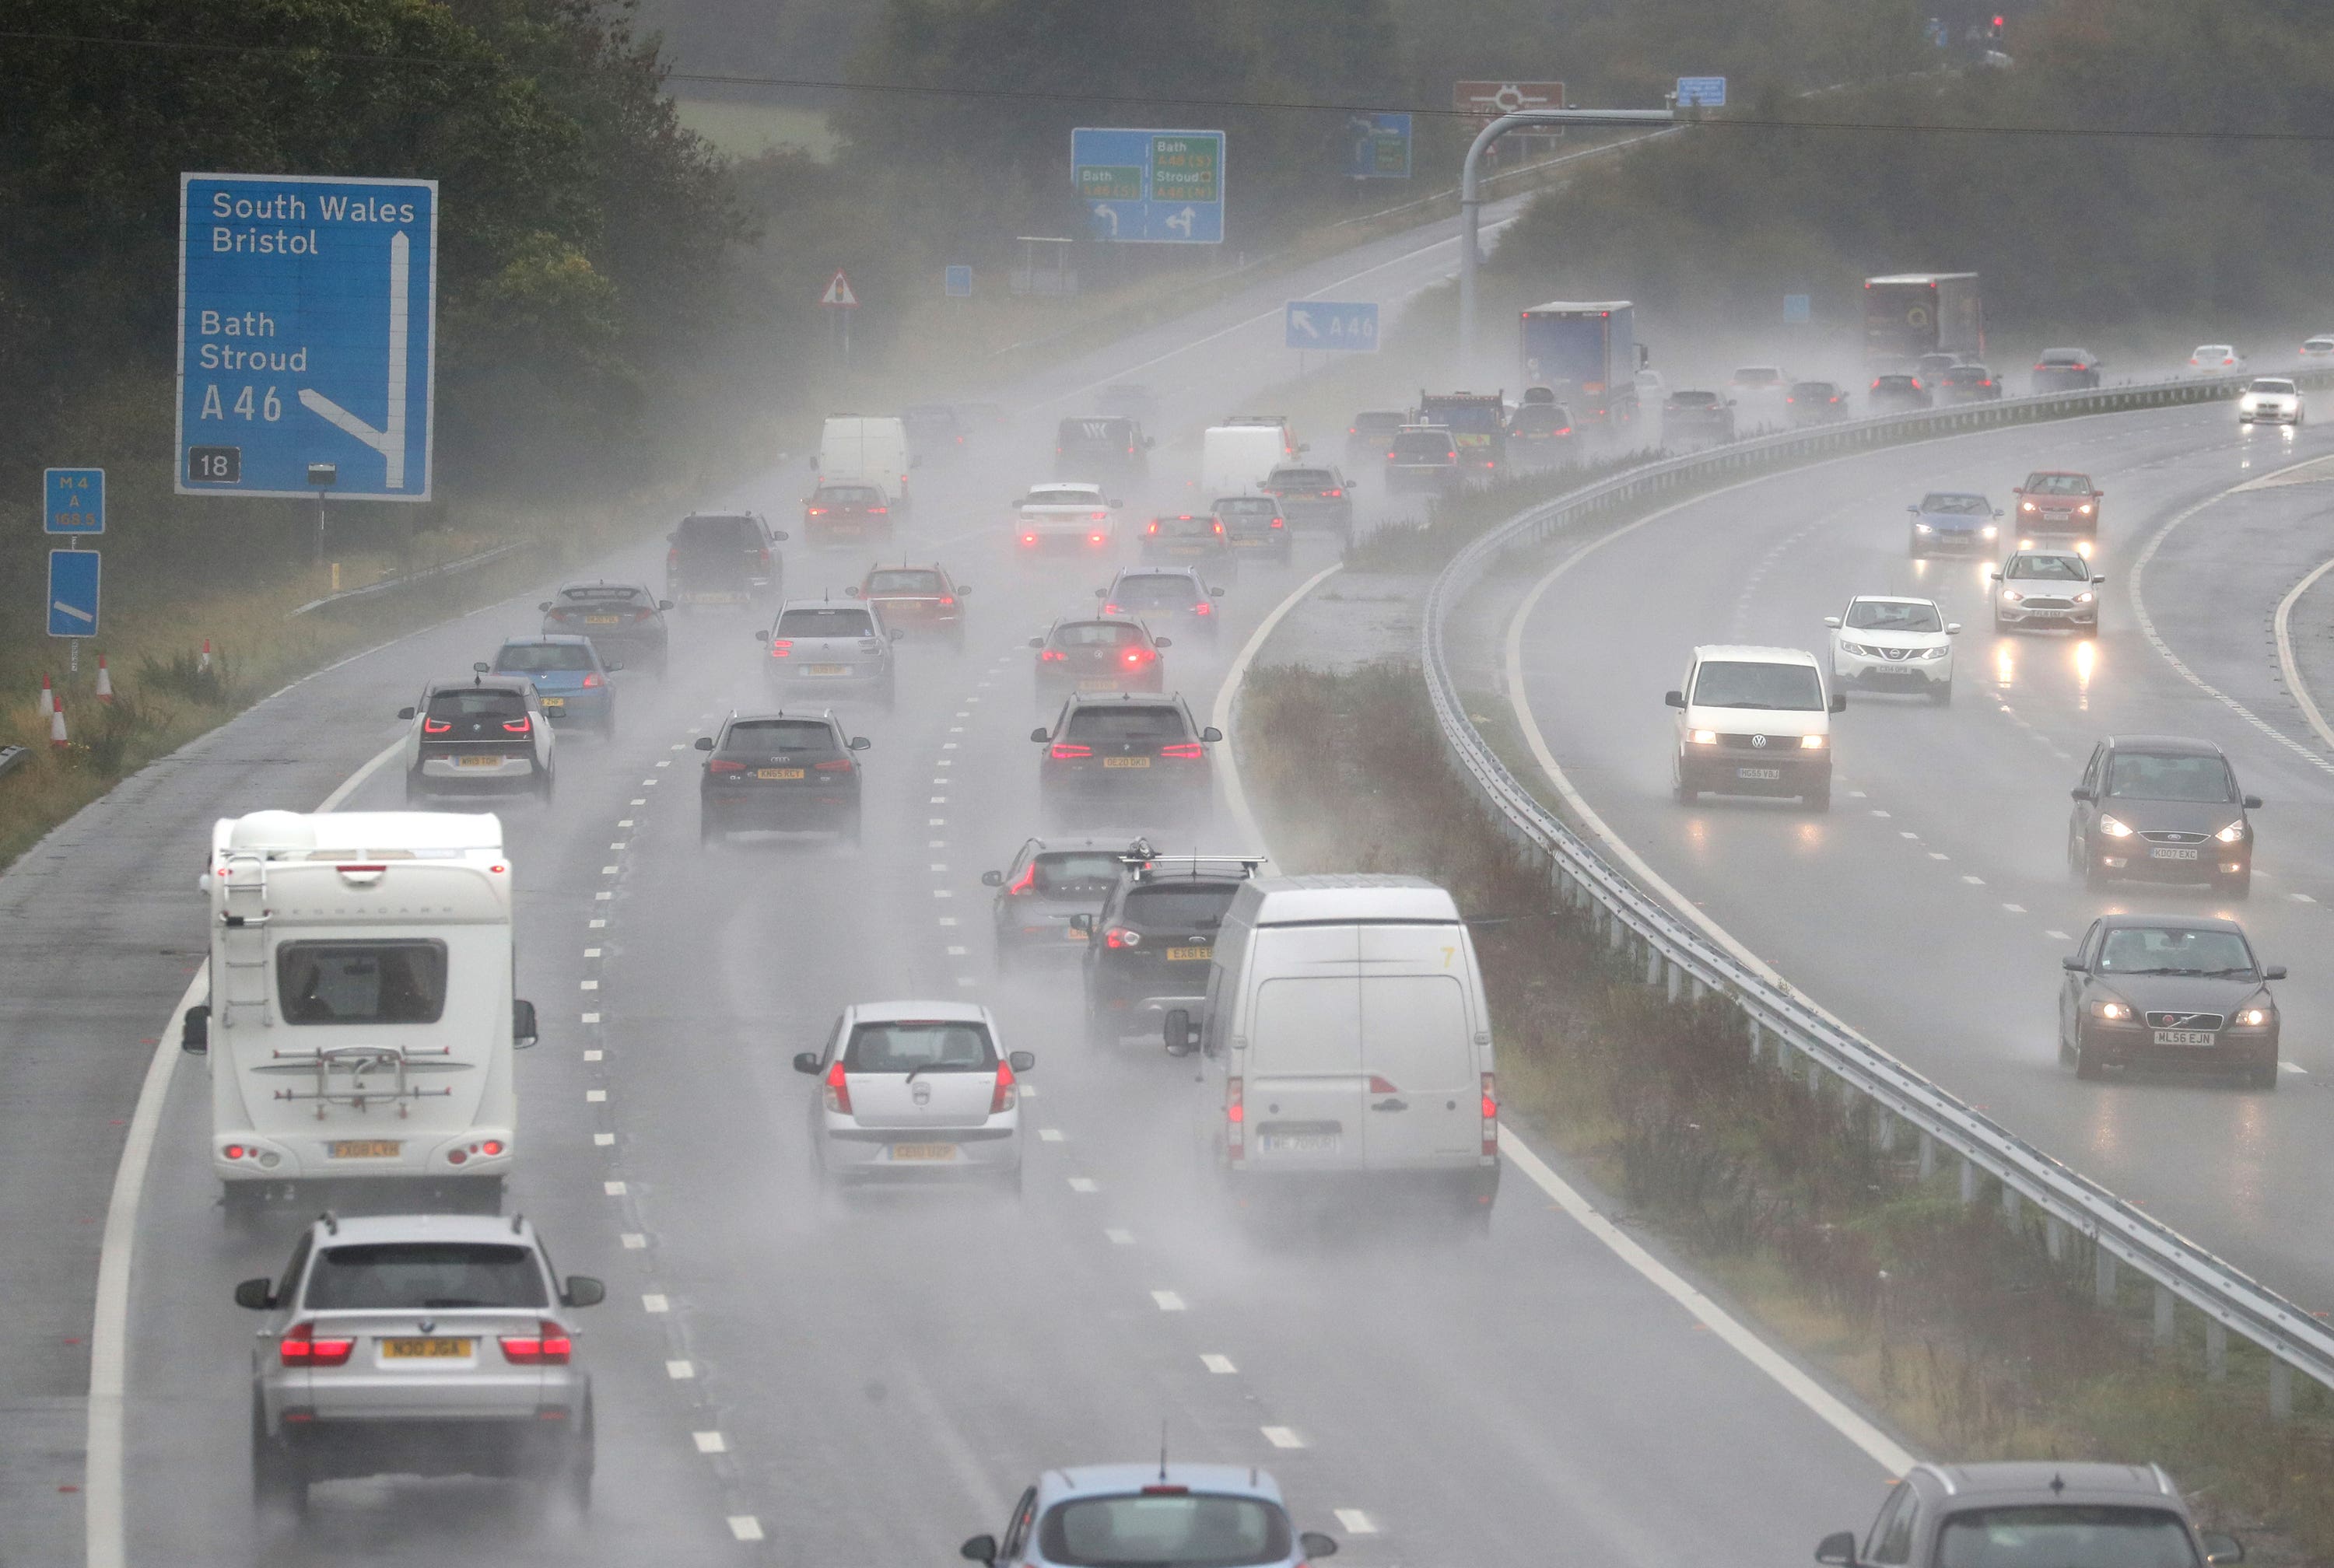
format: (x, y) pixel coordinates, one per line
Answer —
(1962, 1331)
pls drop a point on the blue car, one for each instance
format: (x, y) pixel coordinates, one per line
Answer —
(569, 675)
(1952, 522)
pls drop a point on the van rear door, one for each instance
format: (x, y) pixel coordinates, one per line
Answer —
(1425, 1099)
(1302, 1096)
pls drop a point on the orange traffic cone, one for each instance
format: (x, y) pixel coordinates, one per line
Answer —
(57, 725)
(104, 681)
(48, 698)
(204, 666)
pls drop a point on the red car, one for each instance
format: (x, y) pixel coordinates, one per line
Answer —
(838, 514)
(916, 599)
(2059, 503)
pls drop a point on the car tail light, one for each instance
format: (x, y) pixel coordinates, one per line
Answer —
(717, 765)
(1987, 382)
(1277, 523)
(1203, 608)
(1139, 656)
(765, 553)
(1235, 1119)
(589, 680)
(1001, 1098)
(782, 648)
(1567, 430)
(644, 614)
(672, 558)
(1101, 517)
(1378, 1085)
(878, 511)
(1491, 1113)
(1875, 386)
(1112, 610)
(838, 1089)
(947, 599)
(1120, 937)
(548, 1346)
(1332, 494)
(814, 511)
(1188, 749)
(1097, 537)
(1025, 881)
(1151, 528)
(1029, 539)
(832, 764)
(300, 1347)
(1067, 750)
(436, 726)
(518, 726)
(1220, 527)
(1052, 656)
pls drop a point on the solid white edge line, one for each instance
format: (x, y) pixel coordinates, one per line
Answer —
(1828, 1406)
(1235, 794)
(2286, 663)
(103, 1516)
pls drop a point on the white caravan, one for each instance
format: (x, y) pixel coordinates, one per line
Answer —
(361, 1018)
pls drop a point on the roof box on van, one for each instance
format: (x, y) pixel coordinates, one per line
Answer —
(1350, 897)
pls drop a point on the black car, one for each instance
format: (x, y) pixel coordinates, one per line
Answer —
(1423, 457)
(2066, 370)
(934, 430)
(1163, 595)
(782, 772)
(1101, 447)
(724, 558)
(1311, 496)
(1896, 394)
(2174, 992)
(2162, 809)
(1137, 758)
(1098, 654)
(1253, 526)
(1050, 883)
(1195, 536)
(1815, 402)
(1149, 947)
(1694, 413)
(624, 620)
(1541, 435)
(1970, 384)
(1371, 435)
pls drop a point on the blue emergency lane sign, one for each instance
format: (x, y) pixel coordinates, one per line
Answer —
(73, 593)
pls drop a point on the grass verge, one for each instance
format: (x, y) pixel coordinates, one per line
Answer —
(1966, 1332)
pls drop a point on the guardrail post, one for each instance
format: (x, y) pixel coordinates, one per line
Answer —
(2054, 1237)
(1815, 1076)
(1969, 1181)
(1928, 1156)
(2281, 1390)
(2164, 1327)
(2010, 1206)
(1618, 933)
(1884, 1134)
(1652, 964)
(1757, 1041)
(2103, 1276)
(2216, 1350)
(1677, 982)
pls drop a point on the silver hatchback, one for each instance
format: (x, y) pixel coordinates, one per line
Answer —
(820, 646)
(915, 1089)
(419, 1344)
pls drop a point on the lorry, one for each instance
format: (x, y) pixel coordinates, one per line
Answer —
(362, 1015)
(865, 449)
(1478, 423)
(1908, 314)
(1587, 352)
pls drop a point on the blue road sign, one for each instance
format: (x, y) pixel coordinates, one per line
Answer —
(1377, 147)
(1151, 186)
(73, 501)
(957, 281)
(1795, 309)
(1701, 93)
(307, 333)
(1349, 327)
(73, 593)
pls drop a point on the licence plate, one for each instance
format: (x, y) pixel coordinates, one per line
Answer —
(2184, 1036)
(2171, 855)
(1091, 683)
(603, 620)
(720, 597)
(365, 1148)
(1126, 761)
(830, 669)
(1190, 954)
(424, 1350)
(1299, 1142)
(1758, 773)
(480, 761)
(778, 772)
(1073, 933)
(555, 702)
(924, 1151)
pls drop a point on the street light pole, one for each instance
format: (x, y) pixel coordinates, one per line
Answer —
(1470, 199)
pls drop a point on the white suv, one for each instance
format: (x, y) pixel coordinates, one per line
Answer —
(1894, 644)
(1753, 721)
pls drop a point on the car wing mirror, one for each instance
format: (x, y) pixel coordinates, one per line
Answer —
(582, 1290)
(611, 665)
(1317, 1544)
(1837, 1549)
(523, 1026)
(1215, 594)
(2221, 1548)
(979, 1549)
(1839, 702)
(762, 636)
(2252, 802)
(705, 742)
(1163, 642)
(806, 1061)
(194, 1030)
(1083, 923)
(405, 713)
(2274, 972)
(1832, 621)
(897, 633)
(2079, 793)
(780, 535)
(1022, 1060)
(992, 879)
(1036, 642)
(860, 743)
(482, 666)
(1117, 501)
(1175, 1031)
(1952, 629)
(1041, 735)
(962, 589)
(1100, 592)
(253, 1296)
(2072, 963)
(664, 605)
(1211, 733)
(2098, 578)
(544, 605)
(852, 591)
(1672, 699)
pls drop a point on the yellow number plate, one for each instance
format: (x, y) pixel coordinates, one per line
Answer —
(366, 1149)
(482, 762)
(555, 702)
(924, 1151)
(1092, 683)
(830, 669)
(1191, 955)
(1126, 761)
(603, 620)
(424, 1350)
(777, 772)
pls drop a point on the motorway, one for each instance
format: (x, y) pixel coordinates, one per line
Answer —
(1929, 909)
(779, 1383)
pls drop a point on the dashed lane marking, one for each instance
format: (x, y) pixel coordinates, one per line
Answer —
(1283, 1438)
(2015, 909)
(1084, 1184)
(710, 1442)
(1049, 1135)
(591, 952)
(1973, 881)
(1222, 1366)
(1354, 1522)
(588, 985)
(1169, 1302)
(595, 924)
(744, 1527)
(633, 1241)
(653, 1302)
(679, 1372)
(2059, 936)
(594, 1055)
(612, 1188)
(603, 1139)
(1120, 1237)
(591, 1017)
(595, 1096)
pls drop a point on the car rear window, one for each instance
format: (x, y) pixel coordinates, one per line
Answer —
(848, 495)
(942, 1045)
(536, 657)
(2139, 776)
(424, 1277)
(1098, 432)
(1144, 725)
(367, 982)
(603, 593)
(1249, 505)
(1098, 634)
(1186, 1530)
(906, 581)
(2059, 485)
(1060, 496)
(1693, 400)
(1388, 421)
(1539, 419)
(1758, 375)
(1185, 906)
(2076, 358)
(1174, 527)
(1898, 384)
(476, 702)
(822, 621)
(1420, 447)
(776, 737)
(1738, 683)
(1301, 478)
(1962, 374)
(1077, 870)
(733, 532)
(1154, 592)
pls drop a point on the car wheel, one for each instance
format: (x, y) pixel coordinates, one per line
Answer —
(1010, 1185)
(851, 836)
(2239, 886)
(2094, 876)
(607, 724)
(2264, 1078)
(279, 1483)
(416, 792)
(574, 1480)
(2087, 1065)
(543, 785)
(1819, 800)
(1942, 694)
(1685, 793)
(706, 832)
(1913, 549)
(1100, 1034)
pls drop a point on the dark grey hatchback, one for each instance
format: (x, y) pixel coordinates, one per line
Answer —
(1050, 882)
(2160, 808)
(781, 773)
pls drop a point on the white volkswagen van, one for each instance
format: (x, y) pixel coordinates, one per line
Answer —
(1345, 1039)
(1753, 721)
(865, 449)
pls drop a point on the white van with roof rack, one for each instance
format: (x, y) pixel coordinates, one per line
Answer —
(1345, 1040)
(361, 1019)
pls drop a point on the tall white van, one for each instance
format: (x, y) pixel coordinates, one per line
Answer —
(1345, 1038)
(1237, 459)
(361, 1018)
(865, 449)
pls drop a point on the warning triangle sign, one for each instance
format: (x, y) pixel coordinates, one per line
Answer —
(838, 293)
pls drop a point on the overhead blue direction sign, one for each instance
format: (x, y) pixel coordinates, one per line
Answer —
(1151, 186)
(1701, 93)
(73, 593)
(1347, 327)
(73, 501)
(307, 333)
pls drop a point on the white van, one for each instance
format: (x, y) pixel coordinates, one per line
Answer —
(1345, 1038)
(361, 1018)
(1753, 721)
(865, 449)
(1237, 459)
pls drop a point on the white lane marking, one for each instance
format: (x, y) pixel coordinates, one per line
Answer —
(591, 1017)
(603, 1139)
(588, 985)
(947, 919)
(650, 783)
(1049, 1135)
(1907, 834)
(2015, 909)
(603, 894)
(2286, 664)
(2059, 936)
(1939, 855)
(939, 866)
(596, 925)
(612, 1188)
(961, 714)
(956, 952)
(744, 1527)
(682, 744)
(2292, 1067)
(1169, 1302)
(1084, 1184)
(939, 801)
(666, 762)
(594, 1055)
(2301, 898)
(966, 980)
(1878, 813)
(595, 1096)
(1973, 881)
(633, 1241)
(350, 785)
(1028, 1092)
(1222, 1366)
(1827, 1406)
(942, 893)
(1283, 1438)
(1120, 1237)
(653, 1302)
(936, 822)
(591, 952)
(1227, 762)
(679, 1372)
(607, 870)
(710, 1442)
(642, 801)
(617, 845)
(1855, 795)
(1354, 1522)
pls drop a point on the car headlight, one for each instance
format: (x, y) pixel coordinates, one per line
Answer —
(2084, 597)
(2112, 1011)
(2084, 510)
(1989, 531)
(1857, 648)
(1811, 742)
(2233, 833)
(1706, 738)
(1923, 528)
(1934, 652)
(2255, 1017)
(2114, 827)
(2011, 595)
(2026, 506)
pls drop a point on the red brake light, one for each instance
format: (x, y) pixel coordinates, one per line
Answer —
(1220, 527)
(1203, 608)
(518, 726)
(1378, 1085)
(1110, 610)
(1332, 494)
(947, 599)
(838, 1090)
(1101, 517)
(1029, 539)
(814, 511)
(591, 680)
(1065, 750)
(1235, 1119)
(548, 1346)
(1151, 528)
(300, 1347)
(1097, 537)
(1491, 1113)
(1052, 656)
(1025, 881)
(1566, 431)
(878, 511)
(436, 726)
(1277, 523)
(1183, 748)
(782, 647)
(832, 764)
(718, 766)
(1000, 1099)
